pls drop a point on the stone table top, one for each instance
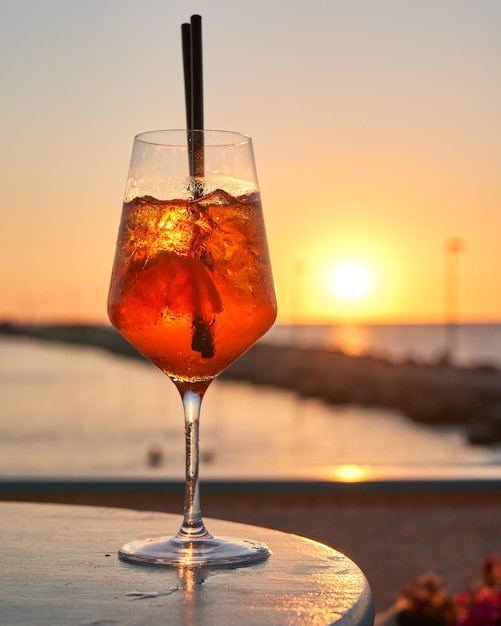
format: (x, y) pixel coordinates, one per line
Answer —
(60, 567)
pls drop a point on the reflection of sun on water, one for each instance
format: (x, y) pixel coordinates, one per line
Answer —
(349, 473)
(350, 339)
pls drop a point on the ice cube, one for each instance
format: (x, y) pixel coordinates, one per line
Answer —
(216, 198)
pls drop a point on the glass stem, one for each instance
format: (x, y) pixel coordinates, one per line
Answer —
(193, 526)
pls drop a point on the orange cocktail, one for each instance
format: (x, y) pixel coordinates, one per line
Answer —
(192, 287)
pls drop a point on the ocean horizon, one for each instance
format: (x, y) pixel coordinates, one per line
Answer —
(469, 344)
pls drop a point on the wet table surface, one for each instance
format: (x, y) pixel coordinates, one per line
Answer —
(60, 566)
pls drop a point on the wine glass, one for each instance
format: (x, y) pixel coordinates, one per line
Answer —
(192, 290)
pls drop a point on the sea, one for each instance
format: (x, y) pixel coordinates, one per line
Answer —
(68, 410)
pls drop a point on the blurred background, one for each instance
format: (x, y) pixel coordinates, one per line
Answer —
(377, 137)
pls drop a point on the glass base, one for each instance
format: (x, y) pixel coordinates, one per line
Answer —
(210, 552)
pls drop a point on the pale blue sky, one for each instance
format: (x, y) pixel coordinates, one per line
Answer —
(376, 126)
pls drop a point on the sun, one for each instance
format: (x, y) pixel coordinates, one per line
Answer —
(350, 280)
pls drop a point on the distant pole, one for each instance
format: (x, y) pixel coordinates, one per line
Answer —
(453, 247)
(297, 298)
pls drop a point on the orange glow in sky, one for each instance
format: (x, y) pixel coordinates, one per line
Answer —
(376, 131)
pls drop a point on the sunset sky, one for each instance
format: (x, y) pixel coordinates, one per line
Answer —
(376, 128)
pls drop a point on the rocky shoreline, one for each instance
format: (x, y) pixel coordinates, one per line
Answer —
(428, 393)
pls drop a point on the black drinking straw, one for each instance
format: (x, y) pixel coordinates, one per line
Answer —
(186, 36)
(202, 339)
(193, 88)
